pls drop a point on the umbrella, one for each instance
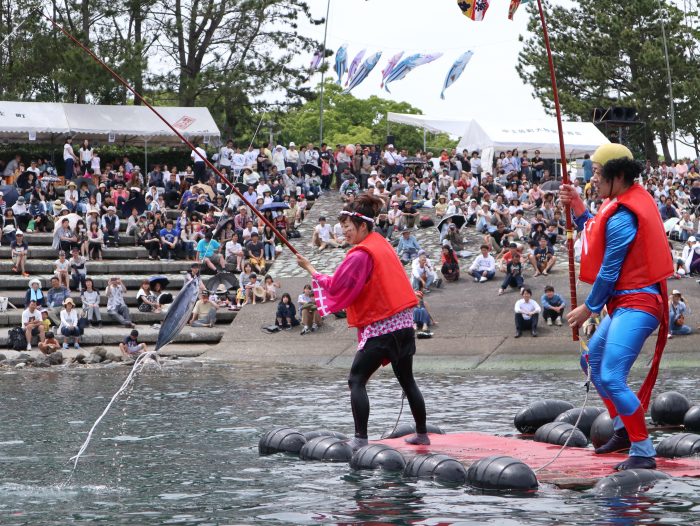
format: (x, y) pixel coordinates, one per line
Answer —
(226, 278)
(206, 189)
(670, 224)
(138, 202)
(10, 194)
(72, 220)
(457, 219)
(164, 282)
(274, 205)
(311, 169)
(550, 186)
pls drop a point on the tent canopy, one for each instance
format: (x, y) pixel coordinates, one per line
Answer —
(453, 127)
(19, 121)
(579, 137)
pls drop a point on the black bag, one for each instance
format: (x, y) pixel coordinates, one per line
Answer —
(16, 340)
(426, 221)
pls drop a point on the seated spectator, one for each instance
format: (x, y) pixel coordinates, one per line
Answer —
(286, 318)
(116, 306)
(552, 306)
(408, 247)
(21, 213)
(169, 239)
(310, 318)
(499, 238)
(484, 266)
(35, 294)
(340, 235)
(441, 207)
(55, 297)
(520, 226)
(78, 271)
(204, 313)
(66, 236)
(90, 299)
(269, 241)
(32, 324)
(95, 239)
(677, 311)
(146, 299)
(50, 344)
(62, 269)
(423, 274)
(514, 274)
(208, 252)
(256, 253)
(543, 258)
(243, 280)
(131, 347)
(450, 264)
(410, 215)
(422, 320)
(69, 324)
(323, 235)
(271, 287)
(234, 253)
(19, 249)
(110, 227)
(254, 290)
(526, 314)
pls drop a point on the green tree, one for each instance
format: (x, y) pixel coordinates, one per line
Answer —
(611, 54)
(347, 119)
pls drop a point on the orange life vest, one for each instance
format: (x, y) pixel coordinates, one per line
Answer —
(648, 258)
(387, 291)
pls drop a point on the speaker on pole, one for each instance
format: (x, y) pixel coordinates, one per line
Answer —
(390, 139)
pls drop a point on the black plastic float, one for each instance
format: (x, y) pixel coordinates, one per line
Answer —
(602, 429)
(406, 429)
(440, 468)
(587, 418)
(558, 432)
(628, 481)
(327, 449)
(308, 435)
(539, 413)
(691, 420)
(281, 440)
(377, 456)
(501, 473)
(680, 445)
(669, 408)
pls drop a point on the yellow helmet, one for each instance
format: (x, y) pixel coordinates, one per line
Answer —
(610, 151)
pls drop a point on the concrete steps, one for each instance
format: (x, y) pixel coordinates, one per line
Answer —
(46, 239)
(14, 317)
(51, 254)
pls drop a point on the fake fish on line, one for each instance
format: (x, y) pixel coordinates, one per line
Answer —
(407, 65)
(178, 314)
(390, 66)
(456, 70)
(316, 60)
(341, 62)
(363, 71)
(355, 64)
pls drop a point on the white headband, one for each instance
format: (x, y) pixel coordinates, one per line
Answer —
(365, 218)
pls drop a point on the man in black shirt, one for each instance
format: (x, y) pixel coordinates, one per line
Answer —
(537, 167)
(543, 258)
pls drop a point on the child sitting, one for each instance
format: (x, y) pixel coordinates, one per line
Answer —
(50, 344)
(286, 313)
(271, 287)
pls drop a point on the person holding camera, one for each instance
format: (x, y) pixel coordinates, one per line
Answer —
(116, 306)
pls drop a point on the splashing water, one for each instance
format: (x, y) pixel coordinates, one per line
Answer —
(138, 366)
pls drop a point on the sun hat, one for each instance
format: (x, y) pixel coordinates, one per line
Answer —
(676, 292)
(69, 300)
(221, 289)
(692, 239)
(35, 280)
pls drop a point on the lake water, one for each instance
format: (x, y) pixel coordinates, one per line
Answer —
(182, 449)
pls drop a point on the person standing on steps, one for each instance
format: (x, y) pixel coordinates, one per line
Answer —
(625, 256)
(371, 285)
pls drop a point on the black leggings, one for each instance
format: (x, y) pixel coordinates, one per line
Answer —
(397, 347)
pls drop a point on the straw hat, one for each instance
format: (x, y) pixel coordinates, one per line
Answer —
(221, 289)
(69, 300)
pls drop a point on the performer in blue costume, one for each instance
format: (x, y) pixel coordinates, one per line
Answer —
(625, 256)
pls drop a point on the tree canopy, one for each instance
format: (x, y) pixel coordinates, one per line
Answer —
(611, 53)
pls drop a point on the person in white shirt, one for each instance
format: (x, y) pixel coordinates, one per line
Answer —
(226, 155)
(291, 157)
(323, 236)
(520, 225)
(233, 252)
(250, 177)
(484, 266)
(237, 162)
(69, 324)
(278, 158)
(423, 273)
(198, 157)
(69, 158)
(251, 156)
(527, 313)
(339, 235)
(85, 152)
(31, 323)
(390, 159)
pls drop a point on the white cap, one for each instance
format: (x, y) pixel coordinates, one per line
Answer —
(292, 144)
(691, 239)
(675, 291)
(390, 146)
(373, 172)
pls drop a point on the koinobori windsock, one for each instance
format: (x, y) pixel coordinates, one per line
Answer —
(341, 62)
(316, 60)
(473, 9)
(355, 64)
(390, 67)
(456, 70)
(407, 65)
(363, 71)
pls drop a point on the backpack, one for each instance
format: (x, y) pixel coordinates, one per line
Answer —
(16, 340)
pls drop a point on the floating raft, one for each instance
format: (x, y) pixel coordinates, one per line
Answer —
(574, 469)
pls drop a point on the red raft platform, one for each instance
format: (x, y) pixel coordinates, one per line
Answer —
(575, 467)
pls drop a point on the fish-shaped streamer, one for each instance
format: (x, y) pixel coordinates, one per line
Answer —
(513, 7)
(354, 65)
(364, 70)
(341, 62)
(407, 65)
(390, 66)
(316, 60)
(473, 9)
(456, 70)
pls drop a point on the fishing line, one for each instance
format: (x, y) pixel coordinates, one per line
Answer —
(403, 399)
(17, 28)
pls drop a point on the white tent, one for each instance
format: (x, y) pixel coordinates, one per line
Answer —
(32, 121)
(579, 137)
(454, 127)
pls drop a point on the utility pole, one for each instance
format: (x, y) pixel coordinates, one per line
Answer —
(670, 84)
(323, 73)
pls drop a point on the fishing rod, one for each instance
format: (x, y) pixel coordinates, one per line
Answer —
(124, 83)
(565, 172)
